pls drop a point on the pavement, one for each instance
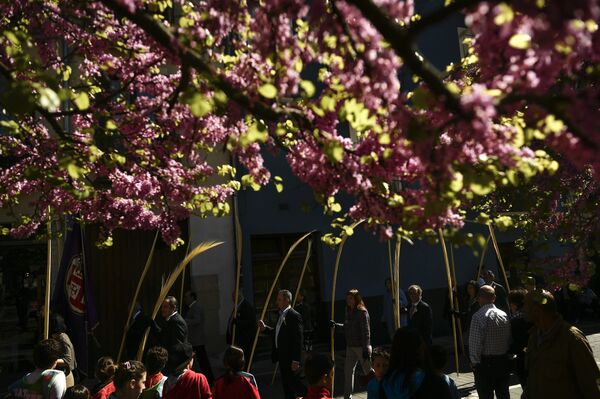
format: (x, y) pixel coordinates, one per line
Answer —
(263, 369)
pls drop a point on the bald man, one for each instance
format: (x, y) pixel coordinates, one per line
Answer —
(489, 340)
(559, 360)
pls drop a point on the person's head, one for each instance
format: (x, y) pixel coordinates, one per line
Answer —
(516, 299)
(439, 357)
(77, 392)
(189, 298)
(181, 357)
(489, 277)
(388, 284)
(529, 282)
(408, 352)
(56, 325)
(284, 299)
(539, 307)
(234, 361)
(300, 297)
(46, 353)
(354, 300)
(415, 293)
(130, 379)
(486, 295)
(381, 361)
(168, 307)
(156, 359)
(105, 368)
(472, 288)
(318, 369)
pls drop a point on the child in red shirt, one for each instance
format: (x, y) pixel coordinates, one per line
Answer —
(183, 382)
(318, 369)
(235, 384)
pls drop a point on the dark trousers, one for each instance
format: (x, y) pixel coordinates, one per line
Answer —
(202, 364)
(492, 375)
(292, 387)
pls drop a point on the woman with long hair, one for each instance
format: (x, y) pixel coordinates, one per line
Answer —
(104, 372)
(410, 375)
(358, 340)
(235, 383)
(472, 306)
(129, 380)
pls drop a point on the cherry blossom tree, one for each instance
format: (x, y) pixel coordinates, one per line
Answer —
(113, 107)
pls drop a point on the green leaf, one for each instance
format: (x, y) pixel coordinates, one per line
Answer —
(328, 103)
(505, 14)
(111, 125)
(334, 151)
(74, 171)
(267, 91)
(520, 41)
(385, 139)
(49, 99)
(308, 87)
(457, 182)
(82, 101)
(199, 105)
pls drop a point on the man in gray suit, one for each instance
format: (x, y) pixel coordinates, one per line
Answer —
(194, 318)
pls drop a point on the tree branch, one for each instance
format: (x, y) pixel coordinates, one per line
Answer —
(551, 105)
(415, 28)
(165, 38)
(404, 46)
(7, 73)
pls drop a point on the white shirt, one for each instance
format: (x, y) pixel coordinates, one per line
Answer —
(489, 333)
(280, 322)
(171, 315)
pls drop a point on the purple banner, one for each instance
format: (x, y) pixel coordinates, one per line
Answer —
(73, 296)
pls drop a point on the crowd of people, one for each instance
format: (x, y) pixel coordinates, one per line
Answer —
(518, 332)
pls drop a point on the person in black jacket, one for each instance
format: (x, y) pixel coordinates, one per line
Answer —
(420, 317)
(410, 374)
(171, 329)
(244, 319)
(519, 329)
(287, 345)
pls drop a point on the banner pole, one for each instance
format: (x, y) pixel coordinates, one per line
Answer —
(48, 279)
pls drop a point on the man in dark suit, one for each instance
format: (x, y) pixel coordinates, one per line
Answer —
(501, 296)
(171, 329)
(244, 319)
(287, 345)
(419, 314)
(194, 318)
